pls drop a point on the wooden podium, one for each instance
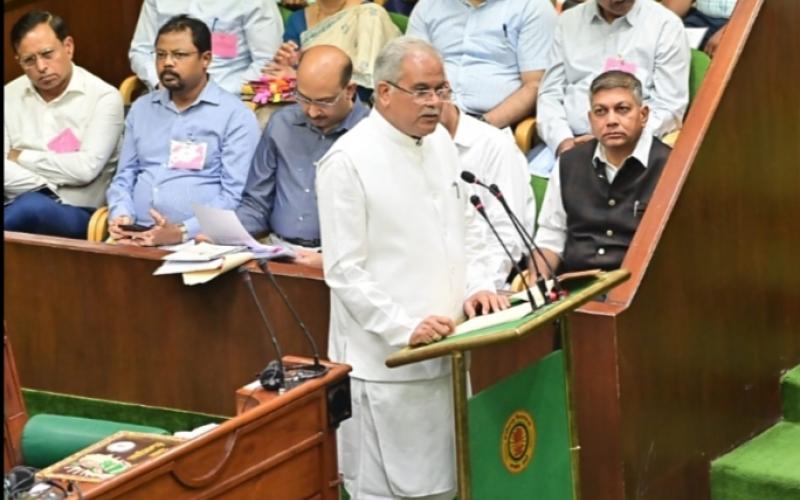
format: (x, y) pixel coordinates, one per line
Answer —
(457, 346)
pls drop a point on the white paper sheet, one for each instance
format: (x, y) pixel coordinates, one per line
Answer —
(224, 228)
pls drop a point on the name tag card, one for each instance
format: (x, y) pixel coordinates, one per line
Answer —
(187, 155)
(613, 63)
(224, 45)
(64, 142)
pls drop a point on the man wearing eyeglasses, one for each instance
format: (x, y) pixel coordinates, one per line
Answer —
(279, 197)
(403, 258)
(188, 143)
(61, 133)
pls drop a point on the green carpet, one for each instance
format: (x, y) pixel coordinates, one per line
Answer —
(790, 392)
(765, 468)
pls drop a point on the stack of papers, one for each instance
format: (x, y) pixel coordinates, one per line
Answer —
(201, 257)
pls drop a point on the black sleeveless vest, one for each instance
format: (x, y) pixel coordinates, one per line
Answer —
(602, 217)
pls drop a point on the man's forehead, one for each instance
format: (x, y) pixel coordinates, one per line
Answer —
(41, 34)
(613, 96)
(176, 38)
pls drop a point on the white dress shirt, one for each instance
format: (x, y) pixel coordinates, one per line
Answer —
(400, 243)
(90, 111)
(494, 158)
(486, 47)
(257, 25)
(650, 36)
(716, 8)
(552, 230)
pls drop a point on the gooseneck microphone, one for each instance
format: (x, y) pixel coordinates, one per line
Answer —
(528, 241)
(478, 204)
(317, 369)
(272, 377)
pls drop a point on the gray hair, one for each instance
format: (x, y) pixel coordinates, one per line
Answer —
(616, 79)
(390, 60)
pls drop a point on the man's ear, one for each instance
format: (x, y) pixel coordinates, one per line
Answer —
(382, 91)
(69, 46)
(351, 90)
(206, 57)
(645, 111)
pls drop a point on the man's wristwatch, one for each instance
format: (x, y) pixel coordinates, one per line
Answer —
(184, 232)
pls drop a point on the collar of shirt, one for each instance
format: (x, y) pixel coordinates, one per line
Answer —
(593, 10)
(209, 94)
(77, 83)
(395, 135)
(641, 153)
(358, 111)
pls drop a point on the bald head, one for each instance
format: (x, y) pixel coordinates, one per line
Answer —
(325, 62)
(324, 89)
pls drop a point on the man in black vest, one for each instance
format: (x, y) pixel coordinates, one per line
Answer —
(600, 189)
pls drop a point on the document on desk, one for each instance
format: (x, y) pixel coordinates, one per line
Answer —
(224, 228)
(496, 318)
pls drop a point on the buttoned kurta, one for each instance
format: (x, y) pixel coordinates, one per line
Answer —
(400, 243)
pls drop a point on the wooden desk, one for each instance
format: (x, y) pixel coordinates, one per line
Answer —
(284, 447)
(90, 319)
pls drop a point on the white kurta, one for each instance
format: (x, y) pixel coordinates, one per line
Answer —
(493, 156)
(400, 243)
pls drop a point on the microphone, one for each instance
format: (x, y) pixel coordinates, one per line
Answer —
(312, 371)
(528, 241)
(478, 204)
(272, 377)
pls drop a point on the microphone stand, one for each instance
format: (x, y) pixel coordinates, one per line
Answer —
(317, 369)
(476, 202)
(273, 376)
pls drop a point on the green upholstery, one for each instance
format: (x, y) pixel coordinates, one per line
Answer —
(697, 71)
(399, 20)
(539, 186)
(47, 439)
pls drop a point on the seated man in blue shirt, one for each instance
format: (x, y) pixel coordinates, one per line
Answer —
(495, 52)
(188, 143)
(279, 197)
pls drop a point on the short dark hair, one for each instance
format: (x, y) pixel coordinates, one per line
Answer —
(33, 19)
(201, 35)
(616, 79)
(347, 70)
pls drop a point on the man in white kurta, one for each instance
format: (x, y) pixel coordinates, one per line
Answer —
(494, 158)
(401, 255)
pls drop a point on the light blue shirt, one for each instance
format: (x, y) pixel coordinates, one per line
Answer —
(257, 25)
(485, 48)
(649, 37)
(144, 178)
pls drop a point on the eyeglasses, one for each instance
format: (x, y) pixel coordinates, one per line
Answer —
(443, 92)
(177, 55)
(30, 61)
(322, 103)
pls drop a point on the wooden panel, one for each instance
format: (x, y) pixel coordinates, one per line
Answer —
(102, 31)
(689, 366)
(283, 448)
(14, 414)
(90, 319)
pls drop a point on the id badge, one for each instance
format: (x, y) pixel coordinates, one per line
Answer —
(187, 155)
(64, 142)
(619, 64)
(224, 45)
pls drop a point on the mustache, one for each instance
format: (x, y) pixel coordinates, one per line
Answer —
(431, 112)
(168, 72)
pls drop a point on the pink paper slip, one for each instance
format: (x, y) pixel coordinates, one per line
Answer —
(613, 63)
(187, 155)
(224, 45)
(64, 142)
